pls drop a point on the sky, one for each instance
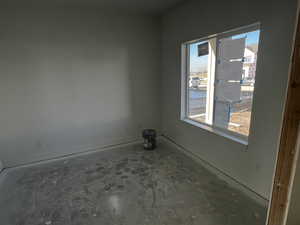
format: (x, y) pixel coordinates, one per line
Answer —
(198, 64)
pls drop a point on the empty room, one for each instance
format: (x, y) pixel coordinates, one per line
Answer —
(154, 112)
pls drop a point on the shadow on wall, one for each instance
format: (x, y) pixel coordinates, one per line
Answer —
(1, 166)
(69, 81)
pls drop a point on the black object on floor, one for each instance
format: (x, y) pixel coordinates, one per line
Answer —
(149, 136)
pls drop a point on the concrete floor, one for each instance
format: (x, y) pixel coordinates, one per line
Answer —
(125, 186)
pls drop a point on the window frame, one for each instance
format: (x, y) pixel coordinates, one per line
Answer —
(185, 65)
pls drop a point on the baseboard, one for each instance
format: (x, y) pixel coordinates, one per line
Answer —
(76, 154)
(220, 174)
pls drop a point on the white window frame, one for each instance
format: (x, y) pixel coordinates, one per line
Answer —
(209, 126)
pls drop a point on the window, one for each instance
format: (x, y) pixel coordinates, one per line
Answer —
(218, 76)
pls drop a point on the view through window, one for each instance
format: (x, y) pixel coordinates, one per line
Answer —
(197, 86)
(220, 80)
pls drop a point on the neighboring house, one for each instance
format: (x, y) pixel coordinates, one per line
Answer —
(249, 65)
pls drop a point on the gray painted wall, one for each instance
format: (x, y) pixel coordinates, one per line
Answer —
(75, 79)
(253, 165)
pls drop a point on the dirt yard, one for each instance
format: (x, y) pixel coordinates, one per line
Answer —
(242, 121)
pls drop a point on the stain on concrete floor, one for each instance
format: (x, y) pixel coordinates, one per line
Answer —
(126, 186)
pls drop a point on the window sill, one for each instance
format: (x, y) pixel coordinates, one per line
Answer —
(224, 133)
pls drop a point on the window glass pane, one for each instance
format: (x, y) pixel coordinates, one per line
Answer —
(235, 80)
(220, 78)
(197, 81)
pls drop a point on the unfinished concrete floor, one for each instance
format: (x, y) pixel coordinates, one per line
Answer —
(124, 186)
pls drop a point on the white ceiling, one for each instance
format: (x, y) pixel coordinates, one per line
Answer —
(149, 6)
